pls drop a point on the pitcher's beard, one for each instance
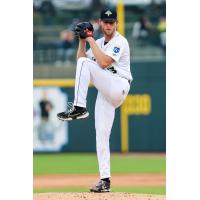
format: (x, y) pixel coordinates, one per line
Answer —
(109, 33)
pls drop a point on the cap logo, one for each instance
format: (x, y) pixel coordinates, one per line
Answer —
(108, 13)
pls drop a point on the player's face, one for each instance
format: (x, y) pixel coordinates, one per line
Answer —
(108, 28)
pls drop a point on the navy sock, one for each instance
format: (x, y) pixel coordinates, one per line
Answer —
(79, 108)
(106, 179)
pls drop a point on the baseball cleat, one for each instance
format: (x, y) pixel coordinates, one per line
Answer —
(74, 113)
(102, 186)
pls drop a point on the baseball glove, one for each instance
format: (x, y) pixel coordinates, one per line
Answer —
(84, 29)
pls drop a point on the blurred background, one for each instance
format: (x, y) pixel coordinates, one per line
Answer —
(140, 123)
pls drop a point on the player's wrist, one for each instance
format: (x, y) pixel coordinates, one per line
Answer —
(81, 40)
(90, 39)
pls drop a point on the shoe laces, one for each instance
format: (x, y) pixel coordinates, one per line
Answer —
(70, 107)
(101, 182)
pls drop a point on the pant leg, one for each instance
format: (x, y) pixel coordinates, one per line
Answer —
(86, 71)
(82, 82)
(104, 117)
(112, 87)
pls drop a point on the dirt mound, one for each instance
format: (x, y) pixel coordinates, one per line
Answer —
(96, 196)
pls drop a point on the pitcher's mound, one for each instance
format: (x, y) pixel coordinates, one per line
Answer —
(96, 196)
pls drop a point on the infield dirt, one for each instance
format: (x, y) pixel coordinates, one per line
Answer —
(96, 196)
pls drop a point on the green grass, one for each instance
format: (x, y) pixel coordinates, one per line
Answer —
(144, 190)
(77, 163)
(70, 163)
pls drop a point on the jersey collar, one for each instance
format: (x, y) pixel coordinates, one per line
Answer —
(116, 35)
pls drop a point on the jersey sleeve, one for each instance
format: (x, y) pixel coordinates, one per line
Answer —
(115, 50)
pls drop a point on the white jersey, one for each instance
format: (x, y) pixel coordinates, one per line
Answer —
(118, 49)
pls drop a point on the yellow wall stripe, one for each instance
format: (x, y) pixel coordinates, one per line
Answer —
(55, 82)
(124, 131)
(120, 15)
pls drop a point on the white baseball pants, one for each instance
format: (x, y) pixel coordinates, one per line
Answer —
(112, 90)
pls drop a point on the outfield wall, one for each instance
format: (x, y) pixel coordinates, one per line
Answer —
(139, 125)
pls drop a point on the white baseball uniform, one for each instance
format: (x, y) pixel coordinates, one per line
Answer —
(112, 83)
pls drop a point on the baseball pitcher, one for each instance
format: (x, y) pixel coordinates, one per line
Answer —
(107, 65)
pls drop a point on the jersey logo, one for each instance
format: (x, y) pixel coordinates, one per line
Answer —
(116, 49)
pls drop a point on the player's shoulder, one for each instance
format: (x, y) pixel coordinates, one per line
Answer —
(121, 38)
(120, 41)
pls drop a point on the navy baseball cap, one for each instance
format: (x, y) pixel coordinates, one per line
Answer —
(108, 15)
